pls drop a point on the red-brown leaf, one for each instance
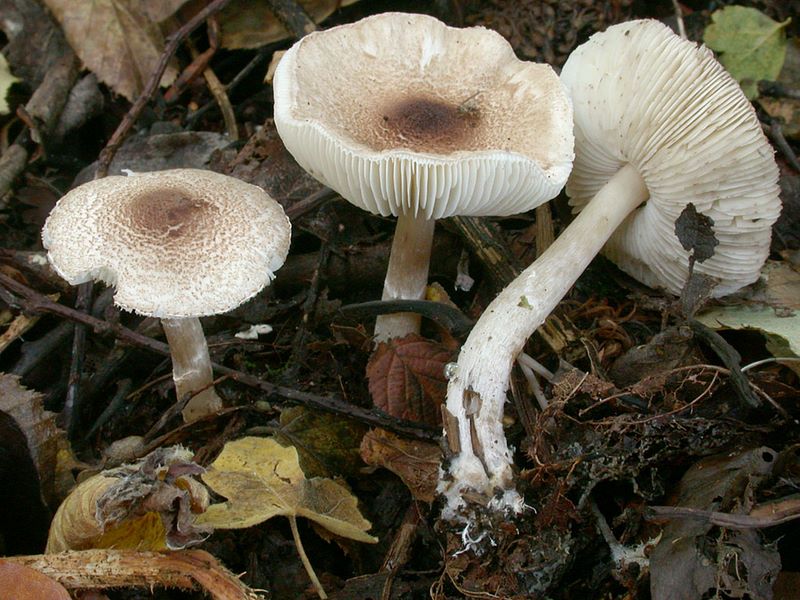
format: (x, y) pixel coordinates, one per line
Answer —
(406, 378)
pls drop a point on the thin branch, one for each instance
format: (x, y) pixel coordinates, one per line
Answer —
(33, 301)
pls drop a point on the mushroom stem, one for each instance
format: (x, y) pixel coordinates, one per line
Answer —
(191, 367)
(476, 392)
(407, 274)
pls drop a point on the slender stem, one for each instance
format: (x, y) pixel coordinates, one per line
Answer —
(304, 559)
(476, 392)
(407, 274)
(191, 367)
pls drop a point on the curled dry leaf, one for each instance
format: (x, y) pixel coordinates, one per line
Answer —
(149, 505)
(24, 583)
(115, 40)
(406, 378)
(262, 479)
(413, 461)
(47, 443)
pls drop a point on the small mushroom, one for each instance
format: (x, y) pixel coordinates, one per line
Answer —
(403, 115)
(177, 245)
(657, 121)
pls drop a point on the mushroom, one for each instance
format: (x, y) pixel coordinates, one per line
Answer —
(178, 245)
(403, 115)
(657, 121)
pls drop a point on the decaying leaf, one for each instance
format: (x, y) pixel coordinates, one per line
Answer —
(251, 23)
(692, 557)
(24, 583)
(47, 443)
(148, 505)
(262, 479)
(406, 378)
(115, 40)
(695, 232)
(413, 461)
(751, 45)
(327, 445)
(772, 308)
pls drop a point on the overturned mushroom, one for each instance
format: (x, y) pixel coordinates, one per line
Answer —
(405, 116)
(177, 245)
(657, 119)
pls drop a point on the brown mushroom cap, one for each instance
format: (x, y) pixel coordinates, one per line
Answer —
(402, 114)
(645, 97)
(178, 243)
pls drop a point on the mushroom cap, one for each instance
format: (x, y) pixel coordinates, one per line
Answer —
(644, 96)
(401, 114)
(177, 243)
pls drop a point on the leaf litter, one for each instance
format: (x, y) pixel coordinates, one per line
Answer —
(645, 475)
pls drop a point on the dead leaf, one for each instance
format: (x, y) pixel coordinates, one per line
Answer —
(406, 378)
(115, 40)
(47, 443)
(691, 559)
(148, 505)
(158, 10)
(262, 479)
(24, 583)
(413, 461)
(327, 444)
(695, 232)
(251, 23)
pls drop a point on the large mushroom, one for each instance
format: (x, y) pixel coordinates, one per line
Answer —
(178, 245)
(403, 115)
(657, 121)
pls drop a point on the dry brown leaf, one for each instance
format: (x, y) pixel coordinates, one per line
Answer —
(413, 461)
(262, 479)
(406, 378)
(158, 10)
(115, 40)
(251, 23)
(143, 506)
(24, 583)
(47, 443)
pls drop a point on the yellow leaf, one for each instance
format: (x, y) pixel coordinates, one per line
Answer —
(262, 479)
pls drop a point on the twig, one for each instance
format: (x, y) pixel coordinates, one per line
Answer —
(171, 46)
(730, 358)
(775, 134)
(34, 301)
(304, 558)
(292, 17)
(776, 516)
(261, 56)
(71, 413)
(679, 18)
(104, 569)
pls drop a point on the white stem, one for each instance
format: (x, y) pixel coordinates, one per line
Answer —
(191, 367)
(476, 392)
(407, 274)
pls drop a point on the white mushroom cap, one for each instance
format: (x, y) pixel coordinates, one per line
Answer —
(401, 114)
(644, 96)
(178, 243)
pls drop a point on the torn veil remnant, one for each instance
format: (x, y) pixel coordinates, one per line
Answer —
(657, 121)
(403, 115)
(178, 245)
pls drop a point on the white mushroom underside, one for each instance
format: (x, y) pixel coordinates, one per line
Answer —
(691, 151)
(403, 115)
(174, 243)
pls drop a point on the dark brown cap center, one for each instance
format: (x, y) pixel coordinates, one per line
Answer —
(427, 125)
(169, 213)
